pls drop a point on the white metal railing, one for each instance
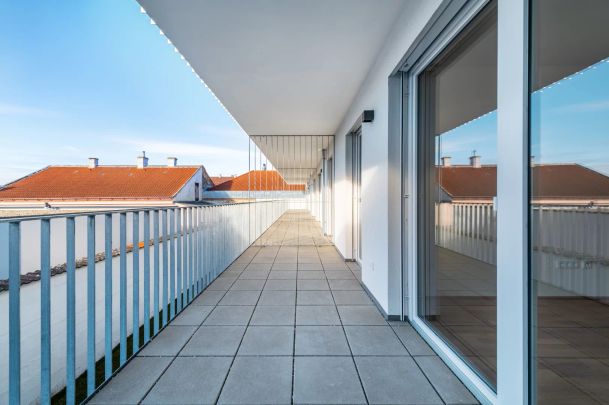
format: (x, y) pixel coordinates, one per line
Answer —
(164, 257)
(570, 243)
(468, 229)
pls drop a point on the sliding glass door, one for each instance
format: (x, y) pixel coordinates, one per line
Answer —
(456, 191)
(569, 201)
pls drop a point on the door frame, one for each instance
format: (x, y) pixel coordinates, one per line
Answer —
(513, 372)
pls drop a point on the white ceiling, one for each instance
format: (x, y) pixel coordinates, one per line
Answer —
(297, 158)
(287, 67)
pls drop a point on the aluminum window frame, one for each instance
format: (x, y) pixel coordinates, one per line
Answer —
(512, 184)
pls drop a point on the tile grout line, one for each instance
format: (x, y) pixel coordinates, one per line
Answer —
(348, 343)
(191, 336)
(230, 367)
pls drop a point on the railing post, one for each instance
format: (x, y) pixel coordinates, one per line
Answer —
(157, 270)
(189, 281)
(45, 311)
(90, 304)
(71, 310)
(136, 280)
(123, 288)
(191, 256)
(172, 262)
(181, 228)
(165, 268)
(146, 276)
(108, 295)
(14, 316)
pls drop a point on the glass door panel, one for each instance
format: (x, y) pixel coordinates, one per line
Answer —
(569, 201)
(456, 193)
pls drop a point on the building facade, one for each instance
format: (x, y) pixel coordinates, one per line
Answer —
(504, 286)
(95, 186)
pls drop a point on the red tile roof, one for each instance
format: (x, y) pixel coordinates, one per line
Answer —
(217, 180)
(102, 182)
(550, 181)
(258, 180)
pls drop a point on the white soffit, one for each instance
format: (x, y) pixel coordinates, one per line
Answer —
(297, 158)
(288, 67)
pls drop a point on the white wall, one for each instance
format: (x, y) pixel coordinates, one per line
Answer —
(187, 193)
(374, 95)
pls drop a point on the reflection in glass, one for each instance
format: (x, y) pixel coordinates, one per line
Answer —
(569, 199)
(456, 193)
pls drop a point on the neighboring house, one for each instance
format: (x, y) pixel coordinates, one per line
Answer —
(256, 184)
(557, 184)
(217, 180)
(95, 186)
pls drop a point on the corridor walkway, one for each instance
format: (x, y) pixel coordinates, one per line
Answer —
(287, 322)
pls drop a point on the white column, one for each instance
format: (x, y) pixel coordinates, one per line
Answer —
(512, 216)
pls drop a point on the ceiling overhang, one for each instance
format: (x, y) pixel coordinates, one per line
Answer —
(297, 158)
(287, 67)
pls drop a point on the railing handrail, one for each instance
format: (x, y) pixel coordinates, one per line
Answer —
(63, 215)
(198, 243)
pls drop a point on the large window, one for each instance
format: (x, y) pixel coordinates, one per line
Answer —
(456, 193)
(569, 201)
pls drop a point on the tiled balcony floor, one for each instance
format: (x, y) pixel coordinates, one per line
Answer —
(287, 322)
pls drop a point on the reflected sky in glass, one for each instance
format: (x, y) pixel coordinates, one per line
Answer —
(569, 116)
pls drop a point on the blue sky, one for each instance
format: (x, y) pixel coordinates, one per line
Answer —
(569, 124)
(95, 78)
(82, 78)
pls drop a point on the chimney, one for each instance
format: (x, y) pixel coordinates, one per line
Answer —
(142, 161)
(446, 161)
(474, 160)
(93, 162)
(172, 162)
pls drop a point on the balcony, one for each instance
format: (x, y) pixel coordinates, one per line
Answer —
(287, 322)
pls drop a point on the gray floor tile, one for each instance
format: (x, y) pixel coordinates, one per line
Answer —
(285, 266)
(395, 380)
(282, 275)
(254, 275)
(351, 285)
(258, 380)
(169, 341)
(313, 285)
(220, 284)
(192, 315)
(214, 341)
(351, 298)
(450, 388)
(326, 380)
(273, 315)
(240, 298)
(267, 341)
(230, 315)
(247, 285)
(310, 266)
(333, 266)
(311, 275)
(321, 341)
(280, 285)
(412, 340)
(209, 297)
(190, 380)
(260, 266)
(270, 297)
(317, 315)
(374, 341)
(229, 275)
(131, 384)
(360, 315)
(339, 275)
(314, 298)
